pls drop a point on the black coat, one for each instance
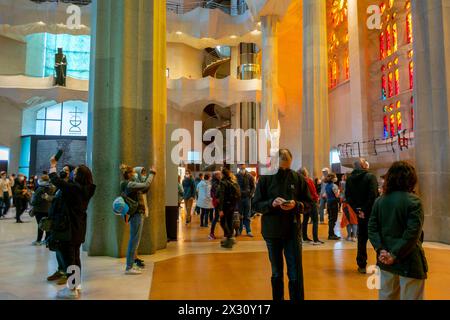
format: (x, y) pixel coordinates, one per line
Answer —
(38, 202)
(287, 184)
(72, 215)
(361, 191)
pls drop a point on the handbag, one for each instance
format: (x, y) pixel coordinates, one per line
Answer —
(31, 213)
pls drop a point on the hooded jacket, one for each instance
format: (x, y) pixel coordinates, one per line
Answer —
(361, 191)
(40, 204)
(73, 214)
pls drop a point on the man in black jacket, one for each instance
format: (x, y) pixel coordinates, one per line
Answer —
(361, 191)
(247, 185)
(280, 198)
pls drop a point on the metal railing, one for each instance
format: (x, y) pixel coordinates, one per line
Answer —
(402, 142)
(179, 8)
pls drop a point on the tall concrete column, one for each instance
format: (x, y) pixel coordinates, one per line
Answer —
(431, 29)
(315, 126)
(358, 66)
(128, 111)
(269, 103)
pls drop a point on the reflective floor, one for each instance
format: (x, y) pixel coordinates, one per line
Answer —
(196, 268)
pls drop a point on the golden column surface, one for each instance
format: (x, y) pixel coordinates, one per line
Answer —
(315, 124)
(128, 107)
(431, 25)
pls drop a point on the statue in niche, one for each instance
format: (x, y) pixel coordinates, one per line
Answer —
(60, 68)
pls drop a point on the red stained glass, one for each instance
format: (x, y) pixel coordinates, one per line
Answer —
(382, 46)
(386, 127)
(383, 87)
(399, 121)
(411, 75)
(391, 85)
(388, 41)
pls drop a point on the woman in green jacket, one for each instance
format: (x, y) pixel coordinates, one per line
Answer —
(396, 232)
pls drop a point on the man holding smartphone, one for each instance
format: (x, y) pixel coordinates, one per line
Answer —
(280, 198)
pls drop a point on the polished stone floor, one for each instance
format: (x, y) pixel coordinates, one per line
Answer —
(196, 268)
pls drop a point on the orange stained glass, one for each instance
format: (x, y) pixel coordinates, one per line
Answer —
(391, 108)
(395, 37)
(383, 87)
(397, 82)
(410, 54)
(409, 28)
(399, 121)
(390, 85)
(391, 4)
(347, 67)
(411, 75)
(408, 5)
(392, 122)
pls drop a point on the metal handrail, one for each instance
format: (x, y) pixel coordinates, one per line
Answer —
(182, 8)
(403, 141)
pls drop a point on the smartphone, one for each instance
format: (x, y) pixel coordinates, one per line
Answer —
(59, 155)
(286, 203)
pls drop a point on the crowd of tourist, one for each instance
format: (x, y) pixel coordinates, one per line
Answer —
(288, 201)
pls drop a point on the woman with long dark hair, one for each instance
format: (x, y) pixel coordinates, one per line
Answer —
(69, 226)
(396, 233)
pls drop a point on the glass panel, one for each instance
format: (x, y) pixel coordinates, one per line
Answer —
(54, 112)
(40, 127)
(41, 114)
(75, 118)
(53, 128)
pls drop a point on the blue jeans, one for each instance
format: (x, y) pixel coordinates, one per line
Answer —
(323, 202)
(244, 209)
(60, 259)
(215, 220)
(352, 230)
(136, 223)
(205, 214)
(276, 248)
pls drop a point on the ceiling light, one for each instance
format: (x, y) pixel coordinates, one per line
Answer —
(179, 33)
(233, 37)
(256, 32)
(259, 24)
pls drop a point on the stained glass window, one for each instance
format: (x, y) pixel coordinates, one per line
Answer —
(386, 127)
(391, 84)
(411, 75)
(399, 121)
(395, 37)
(397, 82)
(383, 88)
(392, 123)
(388, 41)
(409, 28)
(382, 46)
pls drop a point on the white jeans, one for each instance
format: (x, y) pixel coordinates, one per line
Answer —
(395, 287)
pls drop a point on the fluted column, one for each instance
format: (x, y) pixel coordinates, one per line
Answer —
(431, 29)
(315, 126)
(269, 101)
(128, 112)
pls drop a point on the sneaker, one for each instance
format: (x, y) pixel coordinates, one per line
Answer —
(56, 276)
(68, 294)
(354, 239)
(36, 243)
(362, 270)
(250, 235)
(334, 238)
(211, 237)
(318, 243)
(307, 240)
(62, 281)
(228, 244)
(19, 221)
(139, 263)
(349, 239)
(133, 272)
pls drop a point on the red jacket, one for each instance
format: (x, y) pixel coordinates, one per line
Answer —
(312, 189)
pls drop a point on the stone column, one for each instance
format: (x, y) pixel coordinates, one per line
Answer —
(269, 103)
(128, 111)
(431, 27)
(315, 126)
(358, 66)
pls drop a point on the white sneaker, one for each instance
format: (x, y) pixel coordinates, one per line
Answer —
(67, 294)
(318, 243)
(133, 272)
(36, 243)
